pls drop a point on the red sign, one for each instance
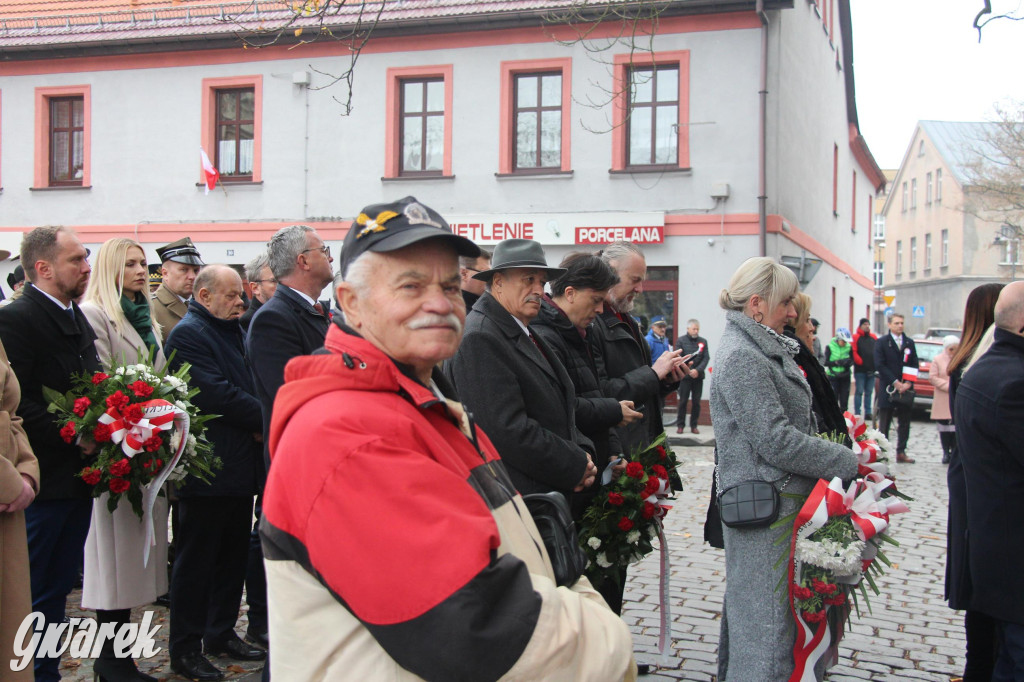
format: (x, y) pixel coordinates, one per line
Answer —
(654, 234)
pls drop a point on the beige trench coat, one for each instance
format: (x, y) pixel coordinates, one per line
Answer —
(939, 378)
(16, 458)
(114, 576)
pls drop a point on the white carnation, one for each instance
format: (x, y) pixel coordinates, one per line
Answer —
(130, 370)
(831, 555)
(883, 443)
(594, 543)
(119, 371)
(190, 445)
(175, 439)
(181, 388)
(633, 536)
(602, 561)
(181, 405)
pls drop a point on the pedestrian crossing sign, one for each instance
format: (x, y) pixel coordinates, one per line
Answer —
(918, 311)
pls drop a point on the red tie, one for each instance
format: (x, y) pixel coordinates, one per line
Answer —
(535, 342)
(318, 307)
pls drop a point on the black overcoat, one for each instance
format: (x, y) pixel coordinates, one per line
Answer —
(890, 360)
(989, 417)
(45, 348)
(521, 399)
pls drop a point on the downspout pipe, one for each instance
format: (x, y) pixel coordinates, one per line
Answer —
(762, 128)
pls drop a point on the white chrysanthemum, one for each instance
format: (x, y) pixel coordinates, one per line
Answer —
(149, 378)
(883, 443)
(831, 555)
(602, 561)
(130, 370)
(594, 543)
(119, 371)
(190, 445)
(633, 537)
(175, 439)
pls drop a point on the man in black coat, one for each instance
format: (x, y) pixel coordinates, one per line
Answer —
(468, 267)
(213, 518)
(48, 339)
(897, 365)
(513, 383)
(623, 357)
(989, 417)
(691, 386)
(263, 285)
(290, 324)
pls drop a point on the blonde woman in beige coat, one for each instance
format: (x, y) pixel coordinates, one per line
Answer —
(119, 309)
(19, 483)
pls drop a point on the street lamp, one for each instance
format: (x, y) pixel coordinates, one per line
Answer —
(1010, 235)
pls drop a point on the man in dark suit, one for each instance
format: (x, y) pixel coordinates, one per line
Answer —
(692, 383)
(468, 267)
(179, 266)
(989, 417)
(290, 324)
(897, 365)
(512, 382)
(47, 339)
(623, 357)
(262, 283)
(213, 518)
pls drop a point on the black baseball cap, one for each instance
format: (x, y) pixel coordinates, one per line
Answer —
(389, 227)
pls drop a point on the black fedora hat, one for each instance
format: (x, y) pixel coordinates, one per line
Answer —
(518, 253)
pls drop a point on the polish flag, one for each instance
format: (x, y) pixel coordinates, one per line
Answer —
(212, 175)
(909, 373)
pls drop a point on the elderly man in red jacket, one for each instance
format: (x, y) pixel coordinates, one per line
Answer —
(395, 545)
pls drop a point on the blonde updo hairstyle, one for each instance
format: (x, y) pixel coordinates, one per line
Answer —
(762, 277)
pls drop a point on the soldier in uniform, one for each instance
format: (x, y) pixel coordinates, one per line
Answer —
(180, 263)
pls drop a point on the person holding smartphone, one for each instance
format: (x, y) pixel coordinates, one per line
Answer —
(691, 386)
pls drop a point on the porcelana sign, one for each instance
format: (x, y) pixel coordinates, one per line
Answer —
(562, 228)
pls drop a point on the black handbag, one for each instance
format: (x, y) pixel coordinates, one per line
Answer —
(904, 399)
(750, 504)
(550, 512)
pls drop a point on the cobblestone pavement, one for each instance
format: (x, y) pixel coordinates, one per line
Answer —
(910, 635)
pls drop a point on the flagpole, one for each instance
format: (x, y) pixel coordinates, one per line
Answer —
(222, 185)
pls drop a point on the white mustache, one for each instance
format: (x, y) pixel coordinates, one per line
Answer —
(449, 320)
(534, 299)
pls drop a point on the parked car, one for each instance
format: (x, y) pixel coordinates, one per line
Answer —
(941, 333)
(927, 349)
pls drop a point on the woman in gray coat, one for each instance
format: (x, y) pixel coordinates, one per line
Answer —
(761, 408)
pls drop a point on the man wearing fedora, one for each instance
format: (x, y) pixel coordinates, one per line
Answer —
(180, 263)
(396, 546)
(514, 384)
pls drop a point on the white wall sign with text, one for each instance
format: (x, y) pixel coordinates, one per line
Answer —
(562, 228)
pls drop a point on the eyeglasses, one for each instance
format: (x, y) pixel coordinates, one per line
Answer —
(262, 281)
(474, 270)
(325, 249)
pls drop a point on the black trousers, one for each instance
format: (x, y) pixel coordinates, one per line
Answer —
(209, 570)
(841, 385)
(687, 388)
(902, 412)
(255, 576)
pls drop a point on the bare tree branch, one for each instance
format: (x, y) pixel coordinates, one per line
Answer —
(987, 9)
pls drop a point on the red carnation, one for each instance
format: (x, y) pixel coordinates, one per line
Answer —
(634, 469)
(91, 476)
(101, 433)
(660, 471)
(117, 400)
(81, 405)
(153, 443)
(67, 432)
(99, 377)
(801, 592)
(661, 452)
(121, 467)
(141, 389)
(615, 499)
(814, 617)
(119, 485)
(651, 487)
(649, 510)
(159, 463)
(625, 524)
(132, 414)
(147, 464)
(837, 600)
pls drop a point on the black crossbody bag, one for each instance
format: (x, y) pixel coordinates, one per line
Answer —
(750, 504)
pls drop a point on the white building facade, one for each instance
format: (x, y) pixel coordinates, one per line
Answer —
(480, 114)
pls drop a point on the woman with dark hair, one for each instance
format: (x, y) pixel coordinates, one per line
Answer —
(577, 297)
(978, 627)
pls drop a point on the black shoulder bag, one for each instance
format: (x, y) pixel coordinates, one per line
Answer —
(550, 512)
(750, 504)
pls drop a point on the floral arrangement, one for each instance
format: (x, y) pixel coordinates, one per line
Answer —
(145, 428)
(833, 543)
(624, 518)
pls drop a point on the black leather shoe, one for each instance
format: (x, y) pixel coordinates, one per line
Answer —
(163, 600)
(235, 648)
(194, 666)
(258, 638)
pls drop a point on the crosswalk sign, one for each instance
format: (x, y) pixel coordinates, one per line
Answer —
(918, 311)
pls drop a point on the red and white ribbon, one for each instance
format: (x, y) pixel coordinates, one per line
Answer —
(157, 416)
(867, 450)
(812, 639)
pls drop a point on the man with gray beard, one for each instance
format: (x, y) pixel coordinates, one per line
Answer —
(623, 358)
(513, 384)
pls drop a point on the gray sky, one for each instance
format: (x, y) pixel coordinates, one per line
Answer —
(921, 60)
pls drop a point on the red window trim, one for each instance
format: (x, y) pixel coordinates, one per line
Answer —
(511, 69)
(41, 162)
(395, 76)
(620, 103)
(209, 112)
